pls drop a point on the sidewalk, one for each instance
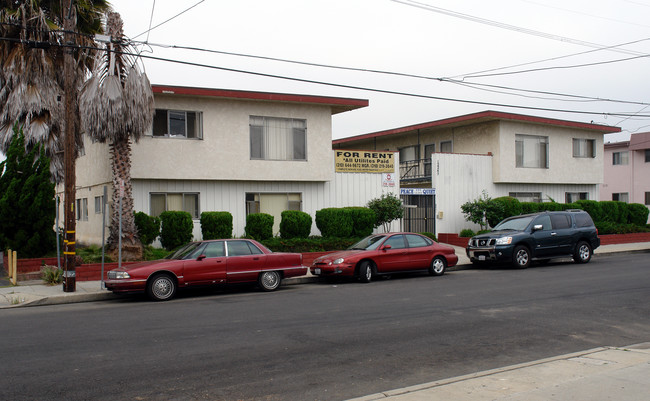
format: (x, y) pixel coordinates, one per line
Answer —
(605, 373)
(34, 293)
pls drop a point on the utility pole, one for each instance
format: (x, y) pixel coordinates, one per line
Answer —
(69, 272)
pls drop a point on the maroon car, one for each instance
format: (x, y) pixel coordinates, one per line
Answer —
(386, 254)
(206, 263)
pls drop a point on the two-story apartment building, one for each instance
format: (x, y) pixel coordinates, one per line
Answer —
(225, 150)
(531, 158)
(627, 170)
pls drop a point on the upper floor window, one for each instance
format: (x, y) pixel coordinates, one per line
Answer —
(647, 155)
(162, 202)
(584, 147)
(278, 138)
(409, 153)
(178, 124)
(82, 209)
(620, 158)
(531, 151)
(446, 147)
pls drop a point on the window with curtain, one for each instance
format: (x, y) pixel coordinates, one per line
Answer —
(622, 197)
(274, 138)
(584, 147)
(531, 151)
(178, 124)
(620, 158)
(409, 153)
(161, 202)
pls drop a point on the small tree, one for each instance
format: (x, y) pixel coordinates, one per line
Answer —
(481, 210)
(387, 208)
(27, 206)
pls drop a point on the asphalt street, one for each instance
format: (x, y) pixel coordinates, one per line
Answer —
(328, 341)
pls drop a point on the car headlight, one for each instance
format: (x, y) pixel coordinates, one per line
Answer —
(337, 261)
(504, 241)
(116, 275)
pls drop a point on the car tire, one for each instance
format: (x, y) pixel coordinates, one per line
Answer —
(521, 257)
(365, 272)
(438, 266)
(583, 252)
(269, 281)
(161, 287)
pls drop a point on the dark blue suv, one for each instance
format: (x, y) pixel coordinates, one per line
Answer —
(539, 236)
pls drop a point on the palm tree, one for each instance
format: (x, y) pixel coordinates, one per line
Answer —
(116, 105)
(31, 61)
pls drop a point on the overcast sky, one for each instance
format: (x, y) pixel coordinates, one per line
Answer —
(453, 39)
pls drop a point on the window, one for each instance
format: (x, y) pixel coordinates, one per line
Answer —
(531, 151)
(647, 198)
(622, 197)
(395, 242)
(446, 147)
(583, 220)
(584, 147)
(416, 241)
(98, 204)
(242, 248)
(82, 209)
(214, 249)
(560, 221)
(544, 221)
(409, 153)
(527, 196)
(647, 155)
(570, 197)
(278, 138)
(269, 203)
(178, 124)
(620, 158)
(161, 202)
(428, 151)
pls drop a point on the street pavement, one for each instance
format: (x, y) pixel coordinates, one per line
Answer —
(604, 373)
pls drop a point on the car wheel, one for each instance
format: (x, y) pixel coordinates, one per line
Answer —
(521, 257)
(365, 272)
(161, 287)
(582, 253)
(269, 281)
(438, 266)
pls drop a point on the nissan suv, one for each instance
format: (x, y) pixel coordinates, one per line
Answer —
(538, 236)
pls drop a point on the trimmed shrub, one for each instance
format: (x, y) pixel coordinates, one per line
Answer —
(466, 233)
(259, 226)
(507, 206)
(611, 211)
(312, 244)
(637, 214)
(334, 222)
(148, 227)
(176, 229)
(550, 206)
(216, 225)
(363, 220)
(592, 207)
(569, 206)
(530, 207)
(295, 224)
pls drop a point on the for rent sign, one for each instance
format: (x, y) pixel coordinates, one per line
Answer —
(357, 161)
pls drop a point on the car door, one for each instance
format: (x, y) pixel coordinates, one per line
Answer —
(245, 261)
(544, 238)
(392, 255)
(420, 253)
(564, 233)
(206, 264)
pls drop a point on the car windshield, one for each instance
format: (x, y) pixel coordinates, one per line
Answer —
(368, 243)
(183, 251)
(517, 223)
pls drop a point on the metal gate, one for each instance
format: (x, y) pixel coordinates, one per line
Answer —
(419, 213)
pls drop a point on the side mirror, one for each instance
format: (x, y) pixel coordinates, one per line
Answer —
(538, 227)
(201, 257)
(386, 247)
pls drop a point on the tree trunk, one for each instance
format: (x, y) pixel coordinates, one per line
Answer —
(121, 166)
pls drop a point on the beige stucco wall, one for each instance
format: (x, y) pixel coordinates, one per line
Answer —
(224, 151)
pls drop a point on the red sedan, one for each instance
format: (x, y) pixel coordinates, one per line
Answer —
(206, 263)
(386, 254)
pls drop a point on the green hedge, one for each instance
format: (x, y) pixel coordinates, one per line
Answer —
(216, 225)
(509, 206)
(592, 207)
(637, 214)
(295, 224)
(335, 222)
(148, 227)
(176, 229)
(259, 226)
(363, 220)
(312, 244)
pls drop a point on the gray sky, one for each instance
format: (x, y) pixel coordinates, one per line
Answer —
(454, 39)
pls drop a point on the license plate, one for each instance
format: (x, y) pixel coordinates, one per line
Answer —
(316, 271)
(481, 257)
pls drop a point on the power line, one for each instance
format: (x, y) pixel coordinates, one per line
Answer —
(169, 19)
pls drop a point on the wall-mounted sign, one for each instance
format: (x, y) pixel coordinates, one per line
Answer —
(417, 191)
(387, 179)
(359, 161)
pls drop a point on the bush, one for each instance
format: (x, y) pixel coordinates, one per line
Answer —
(466, 233)
(295, 224)
(507, 206)
(530, 207)
(216, 225)
(611, 211)
(570, 206)
(312, 244)
(363, 220)
(550, 206)
(148, 227)
(52, 275)
(176, 229)
(259, 226)
(637, 214)
(606, 227)
(430, 235)
(334, 222)
(592, 207)
(387, 207)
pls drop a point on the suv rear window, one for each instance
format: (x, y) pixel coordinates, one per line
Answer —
(583, 220)
(560, 221)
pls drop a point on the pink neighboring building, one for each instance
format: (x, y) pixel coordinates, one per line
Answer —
(627, 170)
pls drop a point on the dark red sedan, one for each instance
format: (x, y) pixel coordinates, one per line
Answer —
(206, 263)
(387, 254)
